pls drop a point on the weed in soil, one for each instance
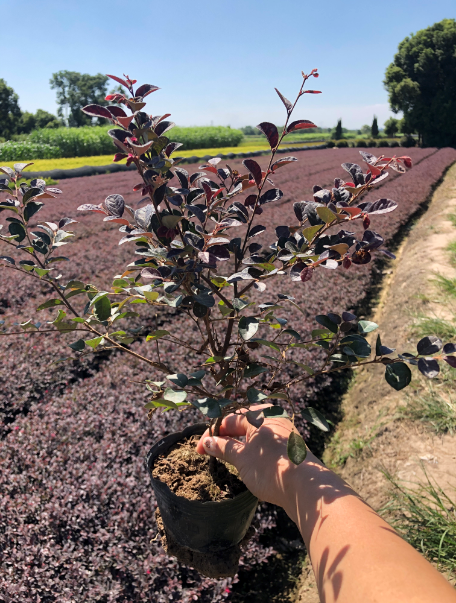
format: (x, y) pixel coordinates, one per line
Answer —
(432, 408)
(426, 518)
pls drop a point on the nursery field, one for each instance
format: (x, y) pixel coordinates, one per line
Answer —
(77, 510)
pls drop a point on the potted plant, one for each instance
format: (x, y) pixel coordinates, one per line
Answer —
(200, 249)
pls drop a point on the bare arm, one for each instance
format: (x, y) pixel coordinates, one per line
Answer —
(356, 556)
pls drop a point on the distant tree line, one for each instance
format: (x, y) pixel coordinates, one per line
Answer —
(74, 91)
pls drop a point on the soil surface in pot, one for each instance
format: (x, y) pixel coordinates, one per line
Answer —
(187, 474)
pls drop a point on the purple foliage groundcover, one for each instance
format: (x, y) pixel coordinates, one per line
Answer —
(76, 521)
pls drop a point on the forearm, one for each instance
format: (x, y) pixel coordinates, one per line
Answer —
(356, 556)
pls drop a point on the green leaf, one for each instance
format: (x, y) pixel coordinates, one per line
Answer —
(151, 295)
(198, 375)
(292, 332)
(326, 215)
(120, 283)
(296, 447)
(398, 375)
(254, 395)
(248, 326)
(310, 232)
(32, 192)
(275, 411)
(255, 417)
(279, 396)
(40, 271)
(93, 343)
(378, 346)
(31, 209)
(103, 309)
(178, 379)
(322, 333)
(59, 258)
(51, 303)
(326, 322)
(78, 345)
(356, 345)
(303, 366)
(94, 298)
(156, 335)
(213, 359)
(312, 415)
(210, 407)
(75, 285)
(160, 402)
(253, 369)
(16, 229)
(174, 396)
(224, 308)
(171, 221)
(239, 304)
(366, 326)
(269, 344)
(28, 325)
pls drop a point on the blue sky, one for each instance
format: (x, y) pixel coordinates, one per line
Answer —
(218, 61)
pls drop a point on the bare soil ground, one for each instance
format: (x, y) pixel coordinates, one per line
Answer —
(372, 433)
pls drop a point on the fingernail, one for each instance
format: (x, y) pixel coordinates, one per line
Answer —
(207, 443)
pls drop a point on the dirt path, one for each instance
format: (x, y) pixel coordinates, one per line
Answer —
(371, 436)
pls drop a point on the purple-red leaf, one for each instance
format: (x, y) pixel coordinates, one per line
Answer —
(306, 274)
(172, 147)
(145, 89)
(273, 194)
(271, 133)
(97, 111)
(451, 360)
(91, 207)
(285, 101)
(255, 170)
(116, 111)
(281, 162)
(119, 80)
(163, 127)
(300, 124)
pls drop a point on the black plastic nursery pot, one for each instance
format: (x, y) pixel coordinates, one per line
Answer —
(209, 528)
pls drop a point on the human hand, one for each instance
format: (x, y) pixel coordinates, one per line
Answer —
(262, 461)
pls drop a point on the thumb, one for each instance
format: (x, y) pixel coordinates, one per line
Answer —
(226, 449)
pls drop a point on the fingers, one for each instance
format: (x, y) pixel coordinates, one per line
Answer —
(226, 449)
(232, 425)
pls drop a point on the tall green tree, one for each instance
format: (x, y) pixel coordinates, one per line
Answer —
(10, 112)
(338, 130)
(391, 126)
(374, 127)
(74, 91)
(421, 82)
(36, 121)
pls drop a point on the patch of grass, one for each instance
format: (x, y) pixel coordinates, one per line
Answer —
(452, 218)
(433, 408)
(425, 516)
(447, 285)
(444, 329)
(452, 250)
(338, 454)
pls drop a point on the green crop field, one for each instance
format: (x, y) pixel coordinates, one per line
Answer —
(95, 160)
